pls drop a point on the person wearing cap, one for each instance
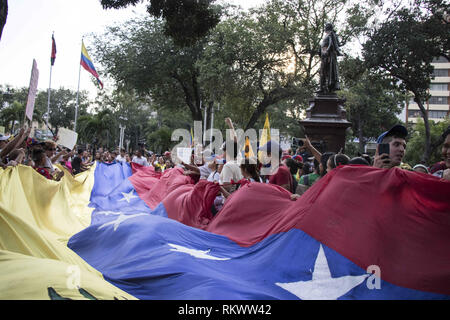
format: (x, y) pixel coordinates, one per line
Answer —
(395, 137)
(420, 168)
(281, 175)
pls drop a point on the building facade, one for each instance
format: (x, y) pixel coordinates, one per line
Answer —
(438, 106)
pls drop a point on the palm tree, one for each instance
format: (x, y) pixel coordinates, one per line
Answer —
(101, 126)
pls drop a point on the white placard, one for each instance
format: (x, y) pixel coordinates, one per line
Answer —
(67, 138)
(32, 91)
(184, 154)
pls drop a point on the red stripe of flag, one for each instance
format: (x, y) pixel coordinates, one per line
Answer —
(53, 56)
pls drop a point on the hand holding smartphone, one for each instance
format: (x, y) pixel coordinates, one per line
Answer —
(383, 148)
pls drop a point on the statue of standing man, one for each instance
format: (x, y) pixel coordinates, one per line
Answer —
(329, 50)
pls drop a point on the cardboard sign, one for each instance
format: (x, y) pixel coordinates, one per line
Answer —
(67, 138)
(184, 154)
(32, 91)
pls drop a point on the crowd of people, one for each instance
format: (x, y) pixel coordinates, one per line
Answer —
(296, 171)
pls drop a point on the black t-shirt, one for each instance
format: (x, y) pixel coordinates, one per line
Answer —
(76, 165)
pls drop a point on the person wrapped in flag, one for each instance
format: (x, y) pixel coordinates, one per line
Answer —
(88, 65)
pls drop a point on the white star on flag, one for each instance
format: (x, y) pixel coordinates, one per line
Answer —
(322, 286)
(121, 219)
(200, 254)
(107, 213)
(128, 196)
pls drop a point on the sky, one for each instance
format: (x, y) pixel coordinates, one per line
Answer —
(28, 31)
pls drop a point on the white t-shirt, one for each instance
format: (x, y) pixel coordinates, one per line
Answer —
(142, 161)
(49, 164)
(231, 171)
(205, 171)
(120, 158)
(214, 177)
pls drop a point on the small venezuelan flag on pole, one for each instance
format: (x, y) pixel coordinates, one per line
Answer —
(86, 63)
(53, 54)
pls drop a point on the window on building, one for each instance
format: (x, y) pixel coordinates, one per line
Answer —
(437, 114)
(414, 114)
(440, 73)
(439, 87)
(438, 100)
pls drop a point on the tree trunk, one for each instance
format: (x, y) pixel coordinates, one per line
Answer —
(3, 14)
(426, 155)
(360, 134)
(208, 115)
(273, 97)
(192, 99)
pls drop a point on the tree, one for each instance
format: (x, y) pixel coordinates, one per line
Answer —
(248, 63)
(3, 14)
(12, 106)
(140, 57)
(186, 21)
(100, 126)
(416, 148)
(404, 46)
(267, 56)
(160, 140)
(372, 102)
(62, 107)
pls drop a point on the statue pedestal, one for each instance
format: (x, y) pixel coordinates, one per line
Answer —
(326, 122)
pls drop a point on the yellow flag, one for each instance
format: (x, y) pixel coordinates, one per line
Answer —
(265, 136)
(37, 218)
(248, 151)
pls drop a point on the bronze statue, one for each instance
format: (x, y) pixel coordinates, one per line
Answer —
(329, 51)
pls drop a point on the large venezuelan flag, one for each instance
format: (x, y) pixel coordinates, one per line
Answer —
(87, 64)
(37, 218)
(151, 235)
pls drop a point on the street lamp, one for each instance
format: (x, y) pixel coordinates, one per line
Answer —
(122, 131)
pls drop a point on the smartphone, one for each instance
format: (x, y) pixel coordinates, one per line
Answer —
(297, 142)
(383, 148)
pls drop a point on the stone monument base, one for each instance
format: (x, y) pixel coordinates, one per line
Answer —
(326, 122)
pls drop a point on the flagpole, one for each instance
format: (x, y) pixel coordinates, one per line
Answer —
(49, 91)
(78, 92)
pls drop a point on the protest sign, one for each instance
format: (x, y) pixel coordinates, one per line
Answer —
(67, 138)
(184, 154)
(32, 91)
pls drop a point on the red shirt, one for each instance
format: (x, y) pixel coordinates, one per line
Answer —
(282, 176)
(44, 172)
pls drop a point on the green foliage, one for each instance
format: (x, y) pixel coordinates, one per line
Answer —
(415, 146)
(404, 46)
(98, 126)
(249, 63)
(186, 21)
(372, 101)
(160, 140)
(62, 106)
